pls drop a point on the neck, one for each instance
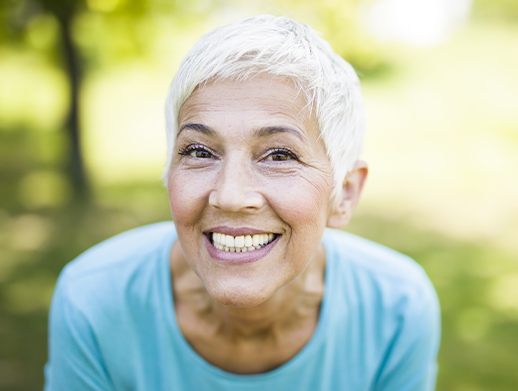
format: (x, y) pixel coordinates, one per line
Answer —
(247, 340)
(292, 305)
(296, 303)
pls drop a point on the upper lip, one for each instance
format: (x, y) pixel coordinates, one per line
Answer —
(237, 231)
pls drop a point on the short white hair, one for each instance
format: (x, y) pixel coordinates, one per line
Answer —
(281, 47)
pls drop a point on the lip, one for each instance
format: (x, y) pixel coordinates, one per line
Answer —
(238, 258)
(237, 231)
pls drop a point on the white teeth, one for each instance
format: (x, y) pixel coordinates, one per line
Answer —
(229, 241)
(248, 240)
(242, 243)
(239, 241)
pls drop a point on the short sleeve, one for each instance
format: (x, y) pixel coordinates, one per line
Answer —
(74, 361)
(410, 362)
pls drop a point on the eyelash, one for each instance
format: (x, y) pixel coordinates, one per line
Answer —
(281, 151)
(189, 149)
(193, 148)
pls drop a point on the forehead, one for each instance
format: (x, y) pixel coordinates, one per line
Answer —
(260, 101)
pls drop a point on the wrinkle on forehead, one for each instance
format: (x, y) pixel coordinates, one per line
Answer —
(225, 97)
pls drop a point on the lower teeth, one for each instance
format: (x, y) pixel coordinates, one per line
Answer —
(238, 249)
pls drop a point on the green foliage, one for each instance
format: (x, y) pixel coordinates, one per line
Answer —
(506, 10)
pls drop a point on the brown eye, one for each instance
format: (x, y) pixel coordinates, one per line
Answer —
(280, 155)
(200, 154)
(196, 151)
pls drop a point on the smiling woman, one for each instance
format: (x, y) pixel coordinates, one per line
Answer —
(239, 181)
(250, 287)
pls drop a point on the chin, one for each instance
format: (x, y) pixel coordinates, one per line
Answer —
(240, 296)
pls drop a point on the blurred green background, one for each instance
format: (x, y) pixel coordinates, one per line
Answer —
(82, 85)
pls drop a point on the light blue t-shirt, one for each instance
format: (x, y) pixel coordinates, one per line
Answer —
(113, 325)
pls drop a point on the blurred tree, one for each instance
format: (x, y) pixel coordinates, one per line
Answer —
(90, 34)
(65, 11)
(17, 17)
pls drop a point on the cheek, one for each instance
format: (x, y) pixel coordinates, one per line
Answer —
(187, 197)
(303, 201)
(302, 206)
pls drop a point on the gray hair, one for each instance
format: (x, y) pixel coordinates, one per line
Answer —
(281, 47)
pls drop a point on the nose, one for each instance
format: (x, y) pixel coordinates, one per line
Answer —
(234, 190)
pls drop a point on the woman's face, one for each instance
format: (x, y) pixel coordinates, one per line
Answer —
(249, 187)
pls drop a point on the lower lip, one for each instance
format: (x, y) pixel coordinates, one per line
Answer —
(237, 258)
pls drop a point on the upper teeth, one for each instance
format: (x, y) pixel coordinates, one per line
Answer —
(240, 243)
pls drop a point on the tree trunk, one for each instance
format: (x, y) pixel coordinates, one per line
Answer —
(75, 167)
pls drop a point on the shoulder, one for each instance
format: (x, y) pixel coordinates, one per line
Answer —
(99, 299)
(374, 273)
(390, 308)
(120, 250)
(107, 268)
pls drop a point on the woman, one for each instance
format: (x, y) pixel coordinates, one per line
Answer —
(248, 289)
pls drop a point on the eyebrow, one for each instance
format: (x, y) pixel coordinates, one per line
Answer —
(259, 132)
(198, 127)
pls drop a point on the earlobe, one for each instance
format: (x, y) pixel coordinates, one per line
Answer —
(350, 195)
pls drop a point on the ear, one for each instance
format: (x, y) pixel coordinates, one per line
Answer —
(341, 212)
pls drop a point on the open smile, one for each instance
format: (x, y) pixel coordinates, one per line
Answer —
(241, 243)
(242, 248)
